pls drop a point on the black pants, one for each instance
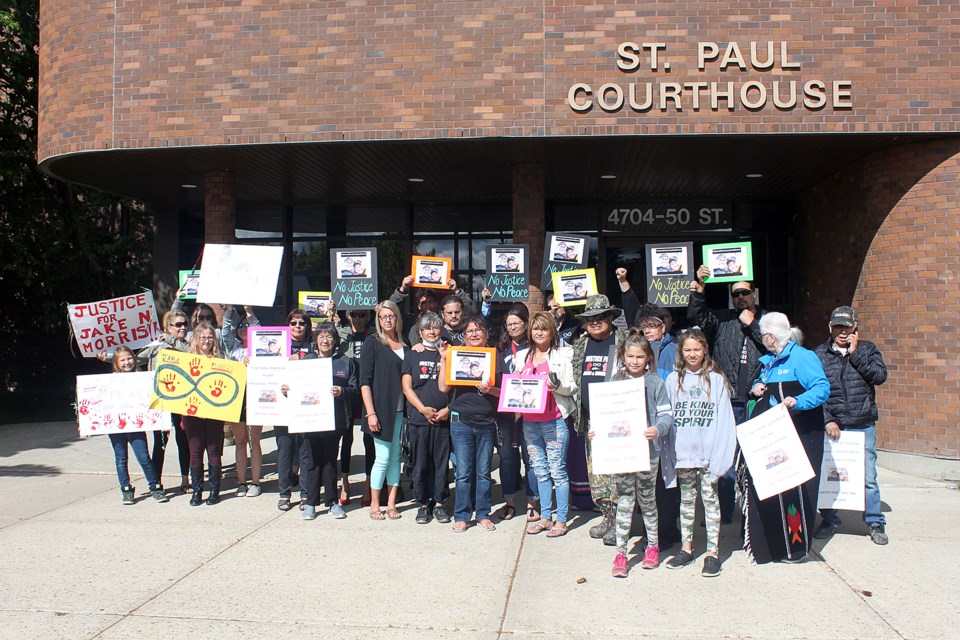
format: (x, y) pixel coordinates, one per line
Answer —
(668, 510)
(321, 449)
(160, 440)
(290, 448)
(430, 446)
(346, 446)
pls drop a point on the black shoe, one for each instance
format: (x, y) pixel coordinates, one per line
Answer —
(825, 530)
(157, 492)
(127, 493)
(441, 514)
(214, 473)
(878, 534)
(711, 567)
(423, 515)
(680, 560)
(196, 483)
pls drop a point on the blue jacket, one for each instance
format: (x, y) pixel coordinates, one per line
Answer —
(795, 372)
(666, 350)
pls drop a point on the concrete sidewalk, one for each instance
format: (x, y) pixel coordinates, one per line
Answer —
(77, 564)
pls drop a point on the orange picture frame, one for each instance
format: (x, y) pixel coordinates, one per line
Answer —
(469, 366)
(431, 272)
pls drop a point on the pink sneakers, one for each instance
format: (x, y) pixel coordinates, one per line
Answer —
(651, 558)
(620, 568)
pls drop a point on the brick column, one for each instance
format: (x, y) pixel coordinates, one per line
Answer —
(219, 208)
(529, 226)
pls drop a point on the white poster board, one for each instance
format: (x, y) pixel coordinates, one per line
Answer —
(266, 401)
(843, 472)
(117, 403)
(127, 321)
(309, 401)
(618, 418)
(239, 274)
(773, 452)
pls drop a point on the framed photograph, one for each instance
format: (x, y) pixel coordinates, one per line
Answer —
(431, 272)
(669, 261)
(189, 283)
(268, 342)
(468, 366)
(354, 264)
(728, 262)
(315, 303)
(508, 259)
(522, 394)
(563, 252)
(571, 288)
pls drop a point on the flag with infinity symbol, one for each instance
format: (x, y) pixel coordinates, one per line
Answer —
(195, 385)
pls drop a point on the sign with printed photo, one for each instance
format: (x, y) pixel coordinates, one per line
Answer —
(267, 391)
(239, 274)
(843, 472)
(507, 272)
(117, 403)
(773, 452)
(728, 262)
(195, 385)
(522, 394)
(618, 444)
(189, 283)
(563, 252)
(315, 303)
(354, 277)
(268, 342)
(431, 272)
(467, 366)
(669, 272)
(127, 321)
(310, 403)
(572, 288)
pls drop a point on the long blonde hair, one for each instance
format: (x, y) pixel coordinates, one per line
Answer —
(709, 364)
(195, 340)
(389, 306)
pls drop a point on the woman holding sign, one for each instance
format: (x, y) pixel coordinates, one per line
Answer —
(204, 434)
(547, 434)
(781, 527)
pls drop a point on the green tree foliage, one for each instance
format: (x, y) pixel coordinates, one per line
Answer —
(58, 243)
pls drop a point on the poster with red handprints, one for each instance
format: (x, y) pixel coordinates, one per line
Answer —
(117, 403)
(195, 385)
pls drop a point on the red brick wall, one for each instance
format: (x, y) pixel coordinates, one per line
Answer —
(219, 208)
(267, 71)
(893, 219)
(528, 223)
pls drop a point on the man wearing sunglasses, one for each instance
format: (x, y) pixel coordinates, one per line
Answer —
(736, 345)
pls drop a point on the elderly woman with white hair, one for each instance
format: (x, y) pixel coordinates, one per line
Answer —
(781, 527)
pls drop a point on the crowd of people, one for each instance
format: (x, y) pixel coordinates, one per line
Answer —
(390, 376)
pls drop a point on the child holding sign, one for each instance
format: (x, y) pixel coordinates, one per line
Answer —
(706, 440)
(125, 362)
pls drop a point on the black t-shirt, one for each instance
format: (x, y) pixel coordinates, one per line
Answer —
(423, 369)
(595, 366)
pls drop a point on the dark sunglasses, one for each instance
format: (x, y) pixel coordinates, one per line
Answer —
(297, 323)
(204, 318)
(178, 325)
(741, 293)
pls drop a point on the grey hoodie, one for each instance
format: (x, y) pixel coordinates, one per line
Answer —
(706, 431)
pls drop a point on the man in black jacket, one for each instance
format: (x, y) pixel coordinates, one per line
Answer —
(854, 368)
(736, 346)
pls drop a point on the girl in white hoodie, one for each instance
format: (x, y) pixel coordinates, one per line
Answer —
(705, 443)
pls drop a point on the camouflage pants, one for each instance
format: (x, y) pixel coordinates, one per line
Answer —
(689, 479)
(601, 486)
(631, 488)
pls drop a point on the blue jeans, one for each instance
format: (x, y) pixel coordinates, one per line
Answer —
(547, 443)
(474, 447)
(137, 442)
(871, 507)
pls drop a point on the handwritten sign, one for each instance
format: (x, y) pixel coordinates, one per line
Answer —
(508, 269)
(618, 421)
(295, 393)
(129, 321)
(563, 252)
(773, 452)
(195, 385)
(354, 276)
(843, 472)
(117, 403)
(239, 274)
(669, 272)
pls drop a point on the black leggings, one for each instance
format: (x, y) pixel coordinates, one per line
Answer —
(346, 445)
(204, 435)
(160, 440)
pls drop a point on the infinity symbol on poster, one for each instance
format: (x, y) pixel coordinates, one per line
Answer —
(217, 387)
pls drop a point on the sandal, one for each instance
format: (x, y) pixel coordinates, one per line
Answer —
(538, 527)
(460, 527)
(558, 530)
(487, 525)
(185, 487)
(377, 515)
(284, 504)
(393, 514)
(508, 512)
(532, 514)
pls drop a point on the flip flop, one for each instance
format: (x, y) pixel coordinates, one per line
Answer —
(377, 515)
(460, 527)
(284, 504)
(487, 525)
(393, 514)
(508, 512)
(532, 514)
(537, 527)
(558, 531)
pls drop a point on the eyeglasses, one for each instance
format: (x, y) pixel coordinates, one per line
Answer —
(473, 332)
(206, 338)
(178, 325)
(204, 318)
(324, 337)
(514, 325)
(651, 325)
(741, 293)
(298, 323)
(601, 318)
(386, 317)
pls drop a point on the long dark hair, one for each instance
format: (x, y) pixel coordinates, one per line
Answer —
(516, 309)
(709, 364)
(634, 339)
(301, 314)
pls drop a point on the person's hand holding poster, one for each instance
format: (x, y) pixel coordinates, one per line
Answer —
(522, 394)
(117, 403)
(773, 452)
(431, 272)
(467, 366)
(563, 252)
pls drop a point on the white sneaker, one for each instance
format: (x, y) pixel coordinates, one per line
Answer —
(337, 512)
(253, 490)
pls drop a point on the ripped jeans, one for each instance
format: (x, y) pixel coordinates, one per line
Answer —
(547, 444)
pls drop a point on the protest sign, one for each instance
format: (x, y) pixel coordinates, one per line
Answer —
(117, 403)
(239, 274)
(471, 365)
(773, 452)
(189, 283)
(572, 288)
(843, 472)
(508, 272)
(431, 272)
(195, 385)
(669, 272)
(728, 262)
(127, 321)
(353, 273)
(522, 394)
(266, 396)
(563, 252)
(309, 401)
(268, 342)
(618, 419)
(315, 303)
